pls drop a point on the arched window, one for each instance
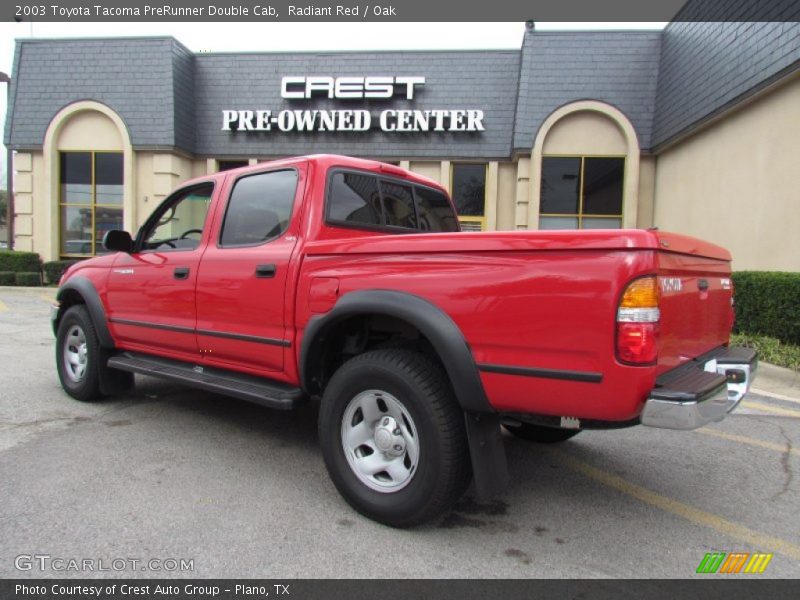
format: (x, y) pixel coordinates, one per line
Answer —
(585, 169)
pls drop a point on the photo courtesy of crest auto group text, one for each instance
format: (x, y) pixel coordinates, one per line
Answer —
(313, 300)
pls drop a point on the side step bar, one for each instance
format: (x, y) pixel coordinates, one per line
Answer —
(271, 394)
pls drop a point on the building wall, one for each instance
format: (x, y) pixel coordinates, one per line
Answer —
(731, 182)
(585, 133)
(28, 172)
(735, 183)
(647, 192)
(506, 196)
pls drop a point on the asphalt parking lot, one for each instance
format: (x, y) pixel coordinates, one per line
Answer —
(242, 491)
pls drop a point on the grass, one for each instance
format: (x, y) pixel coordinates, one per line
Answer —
(770, 349)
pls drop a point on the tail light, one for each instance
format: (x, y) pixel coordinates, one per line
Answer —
(638, 316)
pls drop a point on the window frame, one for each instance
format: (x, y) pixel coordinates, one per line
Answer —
(167, 203)
(470, 218)
(236, 180)
(580, 216)
(379, 177)
(92, 205)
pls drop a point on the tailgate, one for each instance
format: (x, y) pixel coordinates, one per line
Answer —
(695, 286)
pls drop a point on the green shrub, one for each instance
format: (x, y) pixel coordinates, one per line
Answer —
(769, 349)
(54, 269)
(768, 303)
(19, 262)
(29, 279)
(8, 278)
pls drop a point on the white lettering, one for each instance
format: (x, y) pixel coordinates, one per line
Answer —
(293, 81)
(305, 119)
(378, 87)
(475, 120)
(319, 84)
(385, 124)
(410, 82)
(298, 87)
(262, 120)
(286, 120)
(327, 121)
(401, 121)
(245, 120)
(349, 87)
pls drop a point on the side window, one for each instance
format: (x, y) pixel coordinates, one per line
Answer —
(180, 220)
(354, 198)
(435, 212)
(259, 208)
(398, 205)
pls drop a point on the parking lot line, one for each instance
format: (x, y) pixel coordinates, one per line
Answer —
(749, 441)
(680, 509)
(774, 395)
(3, 307)
(784, 412)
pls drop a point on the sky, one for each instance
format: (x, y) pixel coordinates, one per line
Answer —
(242, 37)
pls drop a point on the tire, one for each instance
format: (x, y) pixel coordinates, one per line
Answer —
(395, 406)
(541, 434)
(78, 355)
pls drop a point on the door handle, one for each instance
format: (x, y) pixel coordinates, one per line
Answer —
(265, 271)
(181, 273)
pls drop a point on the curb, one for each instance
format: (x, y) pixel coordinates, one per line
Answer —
(777, 380)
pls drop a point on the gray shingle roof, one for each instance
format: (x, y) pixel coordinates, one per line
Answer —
(706, 67)
(665, 82)
(619, 68)
(132, 76)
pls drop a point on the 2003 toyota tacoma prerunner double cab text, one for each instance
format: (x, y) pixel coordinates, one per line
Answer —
(348, 280)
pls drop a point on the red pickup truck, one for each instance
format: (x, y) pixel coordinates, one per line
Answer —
(348, 280)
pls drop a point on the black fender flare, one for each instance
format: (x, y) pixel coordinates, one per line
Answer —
(94, 305)
(436, 325)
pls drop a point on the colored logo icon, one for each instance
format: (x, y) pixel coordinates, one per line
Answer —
(735, 562)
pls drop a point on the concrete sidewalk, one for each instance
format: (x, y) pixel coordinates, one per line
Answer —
(777, 381)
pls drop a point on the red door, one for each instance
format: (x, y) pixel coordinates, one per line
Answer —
(242, 283)
(151, 292)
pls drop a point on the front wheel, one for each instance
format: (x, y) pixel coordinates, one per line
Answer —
(393, 437)
(78, 355)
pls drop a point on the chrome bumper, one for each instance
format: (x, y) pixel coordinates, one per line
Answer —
(697, 394)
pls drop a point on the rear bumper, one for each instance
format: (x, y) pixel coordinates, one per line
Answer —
(700, 393)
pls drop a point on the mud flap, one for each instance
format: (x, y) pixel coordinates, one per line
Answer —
(488, 455)
(113, 382)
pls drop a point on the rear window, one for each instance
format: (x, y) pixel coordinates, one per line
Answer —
(359, 199)
(398, 205)
(354, 198)
(259, 208)
(434, 212)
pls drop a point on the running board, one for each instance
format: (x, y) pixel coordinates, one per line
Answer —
(271, 394)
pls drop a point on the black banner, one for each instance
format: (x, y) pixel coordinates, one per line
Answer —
(310, 589)
(399, 10)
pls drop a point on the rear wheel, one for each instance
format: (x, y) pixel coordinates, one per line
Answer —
(78, 355)
(393, 437)
(541, 434)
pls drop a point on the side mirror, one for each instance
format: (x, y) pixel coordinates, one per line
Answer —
(118, 241)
